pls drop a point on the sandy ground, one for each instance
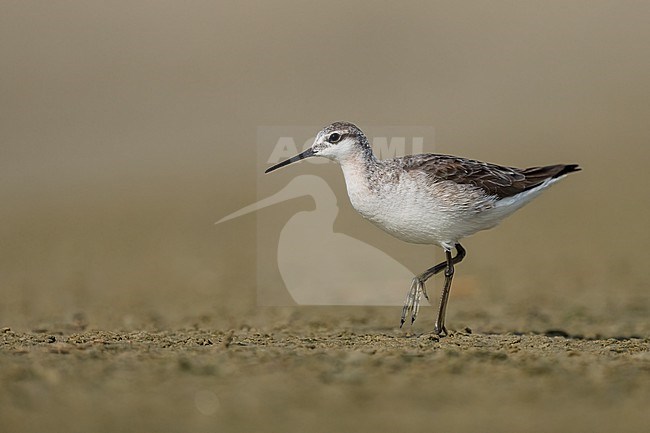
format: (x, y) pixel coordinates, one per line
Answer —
(127, 130)
(314, 375)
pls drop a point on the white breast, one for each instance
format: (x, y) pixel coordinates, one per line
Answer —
(415, 210)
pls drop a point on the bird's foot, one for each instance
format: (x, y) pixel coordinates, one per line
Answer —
(440, 330)
(413, 297)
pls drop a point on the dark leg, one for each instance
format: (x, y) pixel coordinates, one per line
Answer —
(460, 255)
(449, 275)
(444, 297)
(412, 303)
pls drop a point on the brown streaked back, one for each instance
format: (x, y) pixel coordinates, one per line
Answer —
(494, 179)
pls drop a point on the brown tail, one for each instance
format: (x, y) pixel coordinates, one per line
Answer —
(566, 169)
(536, 175)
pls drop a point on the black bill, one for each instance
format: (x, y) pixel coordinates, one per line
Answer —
(306, 154)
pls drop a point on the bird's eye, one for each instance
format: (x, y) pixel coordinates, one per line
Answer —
(334, 138)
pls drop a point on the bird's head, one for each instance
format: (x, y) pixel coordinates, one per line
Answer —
(338, 141)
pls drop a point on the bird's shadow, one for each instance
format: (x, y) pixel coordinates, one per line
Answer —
(570, 336)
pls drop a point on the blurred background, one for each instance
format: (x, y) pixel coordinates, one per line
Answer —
(128, 128)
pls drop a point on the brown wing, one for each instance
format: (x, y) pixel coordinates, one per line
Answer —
(493, 179)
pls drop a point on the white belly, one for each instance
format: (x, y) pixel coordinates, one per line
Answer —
(415, 210)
